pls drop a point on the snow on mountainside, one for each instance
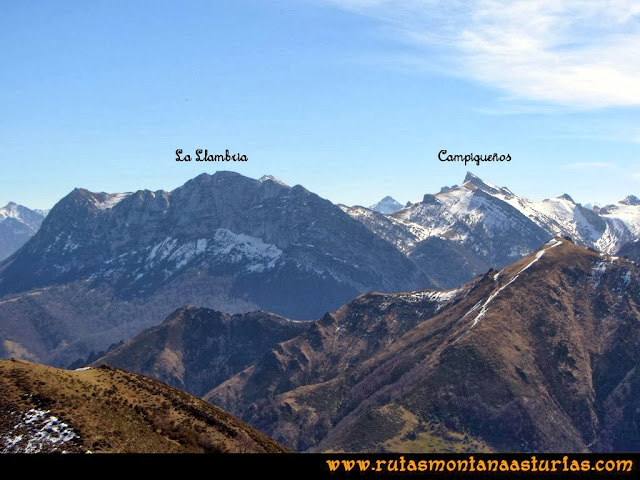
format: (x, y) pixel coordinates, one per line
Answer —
(463, 230)
(264, 178)
(386, 205)
(605, 229)
(221, 241)
(17, 225)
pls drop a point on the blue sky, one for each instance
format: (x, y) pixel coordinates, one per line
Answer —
(352, 99)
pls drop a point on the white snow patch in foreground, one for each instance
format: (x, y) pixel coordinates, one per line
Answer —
(82, 369)
(37, 431)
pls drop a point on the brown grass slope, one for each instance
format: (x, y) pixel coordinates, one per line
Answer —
(196, 349)
(540, 357)
(110, 410)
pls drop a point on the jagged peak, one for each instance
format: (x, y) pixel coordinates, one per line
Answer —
(630, 200)
(472, 182)
(566, 196)
(274, 179)
(99, 200)
(387, 205)
(470, 177)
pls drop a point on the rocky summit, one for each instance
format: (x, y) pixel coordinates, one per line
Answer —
(102, 267)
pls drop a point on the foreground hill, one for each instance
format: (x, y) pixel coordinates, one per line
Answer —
(43, 409)
(539, 356)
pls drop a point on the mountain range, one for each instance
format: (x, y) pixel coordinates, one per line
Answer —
(464, 230)
(474, 320)
(17, 225)
(539, 356)
(102, 267)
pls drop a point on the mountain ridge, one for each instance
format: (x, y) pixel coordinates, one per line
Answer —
(221, 241)
(515, 362)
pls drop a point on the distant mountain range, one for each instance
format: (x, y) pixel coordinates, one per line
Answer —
(474, 320)
(464, 230)
(106, 410)
(17, 225)
(103, 266)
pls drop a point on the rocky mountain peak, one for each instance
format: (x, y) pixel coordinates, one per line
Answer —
(472, 182)
(387, 205)
(566, 196)
(271, 178)
(630, 200)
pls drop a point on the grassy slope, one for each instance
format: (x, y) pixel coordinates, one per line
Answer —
(115, 411)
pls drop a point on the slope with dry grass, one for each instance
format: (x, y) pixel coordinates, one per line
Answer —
(104, 409)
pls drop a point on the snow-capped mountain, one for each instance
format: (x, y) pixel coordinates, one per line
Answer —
(386, 205)
(17, 225)
(463, 230)
(221, 241)
(605, 229)
(458, 233)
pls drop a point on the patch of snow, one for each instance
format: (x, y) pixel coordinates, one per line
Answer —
(82, 369)
(223, 247)
(111, 201)
(201, 245)
(264, 178)
(485, 305)
(37, 431)
(237, 248)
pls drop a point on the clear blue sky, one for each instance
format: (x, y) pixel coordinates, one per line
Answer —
(352, 99)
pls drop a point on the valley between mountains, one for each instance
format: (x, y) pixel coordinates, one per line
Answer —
(539, 356)
(474, 320)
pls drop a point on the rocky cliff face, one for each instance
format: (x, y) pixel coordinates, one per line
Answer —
(222, 241)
